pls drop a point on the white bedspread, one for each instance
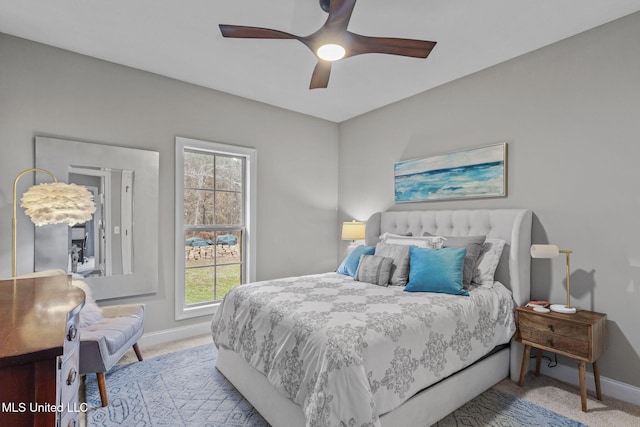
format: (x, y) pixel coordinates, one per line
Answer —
(350, 351)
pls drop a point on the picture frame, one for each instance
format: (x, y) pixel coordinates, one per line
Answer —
(479, 172)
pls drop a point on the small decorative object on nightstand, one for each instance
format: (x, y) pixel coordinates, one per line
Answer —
(581, 336)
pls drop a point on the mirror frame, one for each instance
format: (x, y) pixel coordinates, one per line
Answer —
(50, 246)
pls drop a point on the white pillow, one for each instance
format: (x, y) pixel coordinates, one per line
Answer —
(90, 313)
(485, 269)
(433, 242)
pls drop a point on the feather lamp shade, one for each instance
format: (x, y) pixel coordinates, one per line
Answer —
(57, 203)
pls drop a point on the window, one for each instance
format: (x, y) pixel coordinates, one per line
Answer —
(215, 220)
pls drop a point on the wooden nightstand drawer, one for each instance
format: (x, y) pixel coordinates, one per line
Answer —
(557, 343)
(535, 322)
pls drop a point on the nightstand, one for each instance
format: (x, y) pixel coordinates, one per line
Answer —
(581, 336)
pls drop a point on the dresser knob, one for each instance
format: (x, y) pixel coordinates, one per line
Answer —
(73, 332)
(550, 328)
(71, 378)
(550, 342)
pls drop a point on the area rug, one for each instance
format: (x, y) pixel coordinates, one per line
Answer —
(184, 389)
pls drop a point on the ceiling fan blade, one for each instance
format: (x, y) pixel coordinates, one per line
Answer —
(393, 46)
(339, 14)
(242, 32)
(320, 76)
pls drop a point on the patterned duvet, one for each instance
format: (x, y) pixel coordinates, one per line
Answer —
(348, 351)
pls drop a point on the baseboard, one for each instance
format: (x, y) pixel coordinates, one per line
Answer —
(612, 388)
(173, 334)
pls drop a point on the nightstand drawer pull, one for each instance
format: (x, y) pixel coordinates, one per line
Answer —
(550, 342)
(71, 378)
(73, 332)
(551, 328)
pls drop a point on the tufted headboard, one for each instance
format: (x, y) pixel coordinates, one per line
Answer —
(511, 225)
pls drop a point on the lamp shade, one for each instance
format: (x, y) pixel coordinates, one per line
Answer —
(353, 230)
(544, 251)
(58, 202)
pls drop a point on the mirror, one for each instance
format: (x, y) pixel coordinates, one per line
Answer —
(116, 251)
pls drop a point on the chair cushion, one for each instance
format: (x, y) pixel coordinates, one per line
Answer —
(117, 331)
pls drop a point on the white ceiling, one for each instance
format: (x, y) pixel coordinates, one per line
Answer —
(181, 39)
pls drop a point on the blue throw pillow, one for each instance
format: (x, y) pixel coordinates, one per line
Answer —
(350, 263)
(436, 270)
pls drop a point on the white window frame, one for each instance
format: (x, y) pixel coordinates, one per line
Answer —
(182, 310)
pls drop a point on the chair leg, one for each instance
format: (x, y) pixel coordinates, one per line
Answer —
(103, 388)
(137, 350)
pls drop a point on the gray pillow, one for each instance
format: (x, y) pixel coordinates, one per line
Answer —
(374, 269)
(400, 267)
(473, 245)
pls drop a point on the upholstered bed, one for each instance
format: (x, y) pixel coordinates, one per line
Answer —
(327, 349)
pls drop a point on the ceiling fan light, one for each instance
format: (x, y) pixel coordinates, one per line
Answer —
(331, 52)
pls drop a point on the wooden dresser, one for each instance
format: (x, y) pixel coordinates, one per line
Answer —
(39, 352)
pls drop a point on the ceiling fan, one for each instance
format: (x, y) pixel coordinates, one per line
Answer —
(333, 41)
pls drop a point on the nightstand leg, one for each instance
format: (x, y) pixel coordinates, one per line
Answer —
(525, 364)
(596, 375)
(538, 359)
(582, 369)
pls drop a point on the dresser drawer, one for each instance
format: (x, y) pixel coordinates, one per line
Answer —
(535, 322)
(69, 379)
(556, 343)
(70, 417)
(71, 336)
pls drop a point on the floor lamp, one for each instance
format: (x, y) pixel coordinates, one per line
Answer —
(52, 203)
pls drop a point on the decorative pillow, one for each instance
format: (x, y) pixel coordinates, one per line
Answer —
(90, 313)
(400, 255)
(436, 270)
(350, 263)
(473, 245)
(421, 242)
(485, 269)
(374, 269)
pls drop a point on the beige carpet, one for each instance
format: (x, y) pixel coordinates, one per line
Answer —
(544, 391)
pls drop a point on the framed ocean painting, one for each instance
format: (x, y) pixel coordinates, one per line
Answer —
(472, 173)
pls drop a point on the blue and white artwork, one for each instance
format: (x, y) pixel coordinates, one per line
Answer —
(477, 172)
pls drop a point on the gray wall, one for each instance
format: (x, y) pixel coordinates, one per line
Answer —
(52, 92)
(571, 115)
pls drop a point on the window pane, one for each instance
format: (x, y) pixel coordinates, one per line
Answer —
(228, 277)
(229, 247)
(199, 248)
(229, 173)
(199, 207)
(228, 207)
(199, 285)
(198, 170)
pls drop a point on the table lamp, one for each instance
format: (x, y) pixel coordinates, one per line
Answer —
(353, 230)
(552, 251)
